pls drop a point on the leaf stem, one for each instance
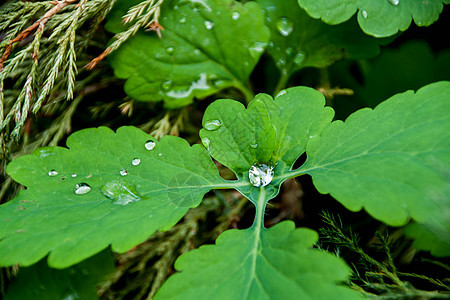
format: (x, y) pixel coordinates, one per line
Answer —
(248, 94)
(258, 223)
(281, 83)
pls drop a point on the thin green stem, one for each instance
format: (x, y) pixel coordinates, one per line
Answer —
(258, 223)
(282, 82)
(248, 94)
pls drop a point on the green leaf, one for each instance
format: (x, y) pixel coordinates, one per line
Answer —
(268, 131)
(427, 240)
(256, 263)
(77, 282)
(198, 54)
(379, 18)
(133, 192)
(394, 160)
(299, 41)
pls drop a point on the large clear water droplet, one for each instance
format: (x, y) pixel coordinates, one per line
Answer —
(136, 161)
(212, 125)
(209, 25)
(123, 172)
(285, 26)
(364, 14)
(52, 173)
(82, 188)
(394, 2)
(149, 145)
(260, 174)
(300, 57)
(121, 192)
(235, 15)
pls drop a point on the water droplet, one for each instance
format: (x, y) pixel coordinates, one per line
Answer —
(206, 142)
(209, 25)
(281, 93)
(364, 14)
(285, 26)
(149, 145)
(288, 51)
(170, 50)
(123, 172)
(201, 84)
(74, 175)
(394, 2)
(197, 52)
(121, 192)
(254, 146)
(212, 125)
(300, 57)
(52, 173)
(183, 20)
(235, 15)
(135, 161)
(82, 188)
(256, 50)
(166, 85)
(159, 154)
(260, 174)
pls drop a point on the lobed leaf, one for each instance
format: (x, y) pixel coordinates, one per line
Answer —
(133, 192)
(77, 282)
(275, 263)
(299, 41)
(268, 131)
(198, 54)
(394, 160)
(379, 18)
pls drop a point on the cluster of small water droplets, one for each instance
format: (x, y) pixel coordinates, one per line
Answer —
(260, 174)
(82, 188)
(209, 24)
(212, 125)
(136, 161)
(149, 145)
(52, 173)
(285, 26)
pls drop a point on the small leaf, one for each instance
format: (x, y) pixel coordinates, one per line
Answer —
(379, 18)
(393, 160)
(198, 54)
(425, 239)
(82, 199)
(77, 282)
(299, 41)
(277, 263)
(268, 131)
